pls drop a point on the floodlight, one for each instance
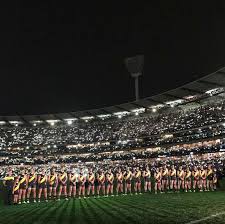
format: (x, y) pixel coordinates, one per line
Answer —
(69, 122)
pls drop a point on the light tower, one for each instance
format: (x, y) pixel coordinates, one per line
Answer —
(135, 66)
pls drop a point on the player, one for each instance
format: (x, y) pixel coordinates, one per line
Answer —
(165, 173)
(81, 182)
(32, 182)
(195, 174)
(109, 183)
(91, 183)
(137, 181)
(147, 179)
(181, 176)
(215, 179)
(62, 181)
(209, 179)
(173, 178)
(52, 183)
(15, 192)
(23, 186)
(101, 182)
(158, 178)
(119, 182)
(202, 175)
(8, 182)
(128, 178)
(72, 183)
(188, 176)
(42, 184)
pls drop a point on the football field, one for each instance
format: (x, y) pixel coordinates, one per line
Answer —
(206, 207)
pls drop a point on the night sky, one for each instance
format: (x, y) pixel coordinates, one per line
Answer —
(67, 57)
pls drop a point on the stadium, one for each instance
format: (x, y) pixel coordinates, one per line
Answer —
(155, 160)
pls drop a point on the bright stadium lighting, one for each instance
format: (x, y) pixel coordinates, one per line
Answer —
(138, 110)
(16, 123)
(52, 122)
(121, 114)
(136, 113)
(154, 110)
(87, 118)
(104, 115)
(35, 124)
(69, 122)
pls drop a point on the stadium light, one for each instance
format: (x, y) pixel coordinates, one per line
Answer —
(16, 123)
(135, 66)
(154, 110)
(103, 116)
(69, 122)
(136, 113)
(87, 118)
(52, 122)
(120, 116)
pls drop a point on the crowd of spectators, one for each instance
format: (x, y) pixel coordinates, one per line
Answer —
(127, 138)
(130, 128)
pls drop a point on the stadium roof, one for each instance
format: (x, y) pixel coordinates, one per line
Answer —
(201, 86)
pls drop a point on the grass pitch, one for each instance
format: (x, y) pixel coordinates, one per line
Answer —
(206, 207)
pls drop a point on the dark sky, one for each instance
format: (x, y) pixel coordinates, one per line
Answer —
(67, 57)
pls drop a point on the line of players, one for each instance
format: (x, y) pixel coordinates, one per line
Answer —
(84, 184)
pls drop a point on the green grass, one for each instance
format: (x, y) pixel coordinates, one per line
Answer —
(146, 208)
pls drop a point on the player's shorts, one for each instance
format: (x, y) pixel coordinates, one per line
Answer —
(32, 185)
(188, 179)
(128, 181)
(43, 185)
(54, 185)
(23, 186)
(173, 178)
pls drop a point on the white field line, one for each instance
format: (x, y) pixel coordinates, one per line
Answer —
(206, 218)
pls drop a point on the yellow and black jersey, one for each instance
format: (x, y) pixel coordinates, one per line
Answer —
(158, 176)
(180, 174)
(120, 177)
(188, 175)
(165, 173)
(173, 174)
(8, 181)
(196, 175)
(210, 174)
(91, 178)
(52, 180)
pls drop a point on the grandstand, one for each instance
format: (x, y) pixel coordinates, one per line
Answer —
(184, 127)
(192, 112)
